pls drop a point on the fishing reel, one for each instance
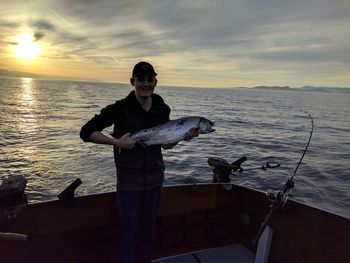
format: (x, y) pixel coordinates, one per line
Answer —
(279, 197)
(276, 196)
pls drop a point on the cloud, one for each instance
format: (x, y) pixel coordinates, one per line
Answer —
(43, 24)
(232, 38)
(38, 36)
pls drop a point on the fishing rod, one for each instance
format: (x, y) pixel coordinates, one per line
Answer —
(279, 198)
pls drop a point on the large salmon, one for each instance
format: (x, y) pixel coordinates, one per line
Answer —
(172, 131)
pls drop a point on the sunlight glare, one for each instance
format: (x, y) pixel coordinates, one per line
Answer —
(26, 48)
(27, 94)
(27, 121)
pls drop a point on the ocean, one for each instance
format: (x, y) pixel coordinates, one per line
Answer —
(40, 122)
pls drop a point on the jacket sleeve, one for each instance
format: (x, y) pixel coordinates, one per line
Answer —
(106, 118)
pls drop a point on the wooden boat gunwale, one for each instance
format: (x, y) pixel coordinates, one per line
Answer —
(191, 217)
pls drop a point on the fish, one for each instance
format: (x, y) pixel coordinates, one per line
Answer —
(172, 131)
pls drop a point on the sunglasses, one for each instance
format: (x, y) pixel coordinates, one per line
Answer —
(143, 78)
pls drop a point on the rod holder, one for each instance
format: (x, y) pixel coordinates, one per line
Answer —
(68, 193)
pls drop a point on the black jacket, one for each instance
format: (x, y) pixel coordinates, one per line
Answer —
(138, 168)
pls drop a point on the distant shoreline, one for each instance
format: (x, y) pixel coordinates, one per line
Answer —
(18, 74)
(305, 89)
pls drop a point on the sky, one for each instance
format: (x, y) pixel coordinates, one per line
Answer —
(201, 43)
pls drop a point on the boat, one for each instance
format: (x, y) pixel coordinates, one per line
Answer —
(215, 222)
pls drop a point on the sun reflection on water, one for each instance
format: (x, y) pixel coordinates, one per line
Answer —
(27, 118)
(27, 93)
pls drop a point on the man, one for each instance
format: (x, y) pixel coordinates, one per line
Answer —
(140, 171)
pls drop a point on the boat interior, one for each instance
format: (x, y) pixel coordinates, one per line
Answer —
(196, 223)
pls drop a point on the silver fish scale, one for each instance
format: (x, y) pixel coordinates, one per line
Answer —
(171, 132)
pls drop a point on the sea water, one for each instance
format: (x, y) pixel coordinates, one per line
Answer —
(40, 122)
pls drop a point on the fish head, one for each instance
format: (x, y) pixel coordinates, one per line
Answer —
(205, 126)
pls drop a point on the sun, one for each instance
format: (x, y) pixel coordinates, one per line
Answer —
(26, 48)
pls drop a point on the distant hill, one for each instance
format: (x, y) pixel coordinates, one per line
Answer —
(306, 89)
(326, 89)
(273, 87)
(19, 74)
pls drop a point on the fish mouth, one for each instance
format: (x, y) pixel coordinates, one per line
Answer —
(210, 128)
(208, 131)
(206, 126)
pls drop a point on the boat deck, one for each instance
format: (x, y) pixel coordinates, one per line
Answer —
(228, 254)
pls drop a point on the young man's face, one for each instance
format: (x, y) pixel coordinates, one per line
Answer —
(144, 85)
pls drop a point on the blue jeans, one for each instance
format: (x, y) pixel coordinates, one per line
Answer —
(137, 218)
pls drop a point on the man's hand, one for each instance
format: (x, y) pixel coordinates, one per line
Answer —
(126, 142)
(191, 134)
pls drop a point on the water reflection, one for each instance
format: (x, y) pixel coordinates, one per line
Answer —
(27, 118)
(27, 93)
